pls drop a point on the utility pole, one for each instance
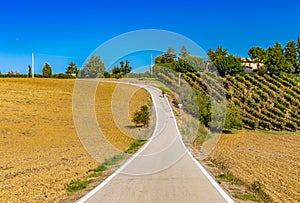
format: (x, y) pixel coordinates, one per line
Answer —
(150, 63)
(32, 65)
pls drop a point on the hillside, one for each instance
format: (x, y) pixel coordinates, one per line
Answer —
(268, 102)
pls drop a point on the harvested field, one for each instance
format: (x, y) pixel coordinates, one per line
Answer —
(39, 149)
(271, 159)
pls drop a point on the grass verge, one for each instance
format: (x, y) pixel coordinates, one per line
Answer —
(77, 185)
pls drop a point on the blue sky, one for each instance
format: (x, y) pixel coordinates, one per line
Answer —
(63, 31)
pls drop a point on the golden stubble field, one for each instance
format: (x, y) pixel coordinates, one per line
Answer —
(271, 159)
(39, 149)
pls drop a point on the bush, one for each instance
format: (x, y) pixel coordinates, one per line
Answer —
(63, 76)
(142, 116)
(233, 118)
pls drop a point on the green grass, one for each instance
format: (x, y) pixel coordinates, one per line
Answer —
(135, 146)
(115, 159)
(132, 149)
(256, 187)
(98, 169)
(229, 178)
(77, 185)
(211, 165)
(246, 196)
(164, 87)
(7, 168)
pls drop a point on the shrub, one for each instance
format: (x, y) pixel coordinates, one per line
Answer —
(142, 116)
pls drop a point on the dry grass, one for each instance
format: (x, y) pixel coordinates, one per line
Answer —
(39, 149)
(271, 159)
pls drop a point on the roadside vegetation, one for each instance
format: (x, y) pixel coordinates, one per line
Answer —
(262, 123)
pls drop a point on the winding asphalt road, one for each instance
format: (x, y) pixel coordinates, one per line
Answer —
(161, 171)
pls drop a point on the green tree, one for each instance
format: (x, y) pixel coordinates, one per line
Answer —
(47, 70)
(183, 66)
(167, 59)
(298, 57)
(276, 62)
(290, 53)
(225, 63)
(29, 71)
(94, 68)
(184, 52)
(233, 118)
(142, 116)
(116, 70)
(106, 74)
(125, 67)
(257, 54)
(204, 108)
(72, 69)
(196, 62)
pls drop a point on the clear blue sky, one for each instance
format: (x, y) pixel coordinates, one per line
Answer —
(64, 31)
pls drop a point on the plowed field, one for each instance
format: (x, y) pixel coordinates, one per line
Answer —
(39, 149)
(271, 159)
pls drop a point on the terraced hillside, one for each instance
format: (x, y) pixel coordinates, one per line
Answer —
(268, 102)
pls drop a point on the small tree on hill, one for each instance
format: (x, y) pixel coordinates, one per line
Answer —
(125, 67)
(94, 68)
(184, 52)
(47, 70)
(290, 53)
(142, 116)
(72, 69)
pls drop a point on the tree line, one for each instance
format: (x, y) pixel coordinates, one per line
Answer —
(274, 60)
(94, 68)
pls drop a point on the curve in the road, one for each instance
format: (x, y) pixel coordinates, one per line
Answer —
(163, 170)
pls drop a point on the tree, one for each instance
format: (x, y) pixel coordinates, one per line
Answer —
(290, 53)
(142, 116)
(257, 54)
(72, 69)
(47, 70)
(233, 118)
(29, 71)
(125, 67)
(226, 64)
(204, 108)
(116, 70)
(184, 52)
(276, 62)
(183, 66)
(93, 68)
(196, 62)
(298, 57)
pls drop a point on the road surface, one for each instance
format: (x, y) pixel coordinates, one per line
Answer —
(162, 170)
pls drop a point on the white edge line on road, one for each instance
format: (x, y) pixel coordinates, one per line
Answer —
(208, 176)
(107, 180)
